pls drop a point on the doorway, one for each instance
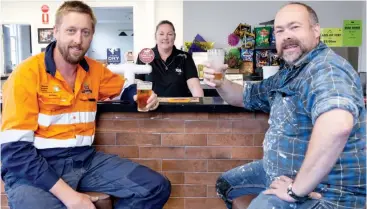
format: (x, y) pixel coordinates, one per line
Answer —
(114, 35)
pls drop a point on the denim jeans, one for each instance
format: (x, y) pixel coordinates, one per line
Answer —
(135, 186)
(251, 179)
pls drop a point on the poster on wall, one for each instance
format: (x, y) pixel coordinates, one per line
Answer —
(113, 55)
(352, 33)
(333, 37)
(45, 35)
(129, 57)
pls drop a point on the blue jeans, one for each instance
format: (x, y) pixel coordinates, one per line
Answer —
(251, 179)
(135, 186)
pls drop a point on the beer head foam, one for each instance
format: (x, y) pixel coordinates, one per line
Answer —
(144, 85)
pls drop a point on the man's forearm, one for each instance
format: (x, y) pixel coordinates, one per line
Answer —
(231, 92)
(328, 139)
(62, 191)
(128, 93)
(22, 159)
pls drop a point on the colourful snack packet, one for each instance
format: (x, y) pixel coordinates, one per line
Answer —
(247, 55)
(272, 38)
(242, 29)
(248, 40)
(247, 68)
(262, 36)
(262, 58)
(274, 58)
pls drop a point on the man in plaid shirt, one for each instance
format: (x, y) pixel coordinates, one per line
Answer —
(314, 149)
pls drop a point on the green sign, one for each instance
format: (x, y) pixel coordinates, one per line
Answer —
(332, 37)
(352, 33)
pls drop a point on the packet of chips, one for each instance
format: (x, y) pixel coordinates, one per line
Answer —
(248, 40)
(247, 68)
(262, 36)
(247, 55)
(242, 29)
(272, 38)
(262, 58)
(274, 58)
(247, 28)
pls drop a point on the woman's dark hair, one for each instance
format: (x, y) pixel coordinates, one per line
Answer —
(163, 22)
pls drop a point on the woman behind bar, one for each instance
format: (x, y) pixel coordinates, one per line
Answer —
(174, 73)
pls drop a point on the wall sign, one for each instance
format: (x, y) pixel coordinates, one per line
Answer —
(114, 55)
(146, 55)
(332, 37)
(352, 33)
(45, 17)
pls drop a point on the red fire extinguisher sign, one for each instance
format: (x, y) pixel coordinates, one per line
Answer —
(45, 17)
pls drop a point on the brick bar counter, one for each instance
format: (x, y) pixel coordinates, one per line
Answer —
(190, 143)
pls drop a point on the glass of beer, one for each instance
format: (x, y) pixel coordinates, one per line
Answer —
(144, 90)
(216, 60)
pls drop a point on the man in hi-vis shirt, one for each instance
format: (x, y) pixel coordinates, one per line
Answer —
(48, 126)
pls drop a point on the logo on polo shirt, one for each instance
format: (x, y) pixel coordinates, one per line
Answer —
(182, 55)
(56, 89)
(178, 71)
(86, 89)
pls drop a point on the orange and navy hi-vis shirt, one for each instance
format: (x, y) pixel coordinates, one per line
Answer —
(41, 111)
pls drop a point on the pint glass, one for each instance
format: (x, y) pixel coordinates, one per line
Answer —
(216, 60)
(144, 90)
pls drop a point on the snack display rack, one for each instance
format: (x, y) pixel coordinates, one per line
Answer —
(250, 48)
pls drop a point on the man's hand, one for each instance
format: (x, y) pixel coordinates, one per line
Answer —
(71, 198)
(279, 188)
(81, 201)
(152, 102)
(209, 76)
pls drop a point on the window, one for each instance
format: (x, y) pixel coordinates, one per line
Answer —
(17, 45)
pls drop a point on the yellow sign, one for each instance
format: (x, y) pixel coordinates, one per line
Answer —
(332, 36)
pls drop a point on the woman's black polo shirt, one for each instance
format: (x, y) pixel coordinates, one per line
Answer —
(171, 81)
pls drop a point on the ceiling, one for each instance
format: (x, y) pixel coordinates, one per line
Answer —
(113, 14)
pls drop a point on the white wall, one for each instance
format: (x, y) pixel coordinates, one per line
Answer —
(146, 14)
(29, 12)
(107, 36)
(189, 17)
(216, 20)
(113, 14)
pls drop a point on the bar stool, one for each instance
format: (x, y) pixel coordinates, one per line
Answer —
(242, 202)
(104, 200)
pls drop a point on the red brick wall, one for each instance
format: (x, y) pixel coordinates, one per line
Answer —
(191, 149)
(4, 200)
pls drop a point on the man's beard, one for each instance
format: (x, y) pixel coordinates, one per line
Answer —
(67, 55)
(292, 56)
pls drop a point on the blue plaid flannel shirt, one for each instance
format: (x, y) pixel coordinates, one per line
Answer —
(295, 96)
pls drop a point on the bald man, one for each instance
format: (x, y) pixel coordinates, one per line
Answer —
(314, 149)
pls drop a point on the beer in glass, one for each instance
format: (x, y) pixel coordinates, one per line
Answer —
(218, 76)
(144, 90)
(216, 60)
